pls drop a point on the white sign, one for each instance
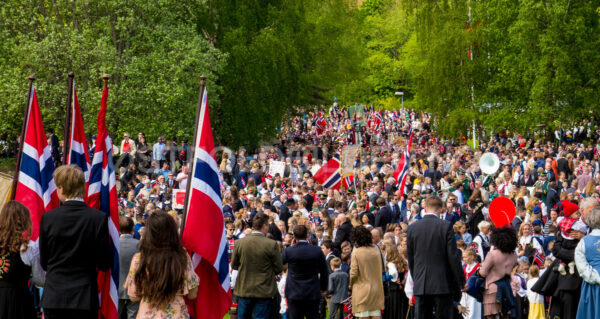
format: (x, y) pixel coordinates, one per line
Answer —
(276, 167)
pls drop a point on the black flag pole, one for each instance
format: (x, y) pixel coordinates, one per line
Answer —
(68, 116)
(193, 153)
(13, 192)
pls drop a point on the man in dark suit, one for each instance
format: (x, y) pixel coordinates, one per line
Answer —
(307, 276)
(308, 197)
(432, 253)
(127, 308)
(552, 198)
(396, 211)
(518, 220)
(449, 214)
(343, 232)
(286, 211)
(74, 243)
(384, 216)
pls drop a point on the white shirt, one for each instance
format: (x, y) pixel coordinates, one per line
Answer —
(183, 181)
(392, 271)
(534, 242)
(586, 271)
(533, 296)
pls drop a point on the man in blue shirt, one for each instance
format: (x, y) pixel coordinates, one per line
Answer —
(159, 150)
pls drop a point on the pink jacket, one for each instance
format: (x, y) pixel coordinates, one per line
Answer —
(495, 266)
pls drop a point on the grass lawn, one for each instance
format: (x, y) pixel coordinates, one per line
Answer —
(7, 165)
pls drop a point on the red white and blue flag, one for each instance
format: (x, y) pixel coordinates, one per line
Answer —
(320, 123)
(401, 172)
(78, 152)
(329, 175)
(348, 181)
(204, 231)
(35, 188)
(539, 258)
(102, 195)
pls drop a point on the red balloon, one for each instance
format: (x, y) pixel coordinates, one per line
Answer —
(502, 211)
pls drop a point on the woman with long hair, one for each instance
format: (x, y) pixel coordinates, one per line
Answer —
(161, 274)
(396, 304)
(328, 225)
(15, 227)
(366, 283)
(497, 268)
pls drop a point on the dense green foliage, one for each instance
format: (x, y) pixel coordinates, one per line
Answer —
(261, 59)
(150, 48)
(532, 61)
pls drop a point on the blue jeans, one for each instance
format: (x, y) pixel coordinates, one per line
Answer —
(256, 308)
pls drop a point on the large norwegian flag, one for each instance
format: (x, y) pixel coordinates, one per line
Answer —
(78, 153)
(35, 186)
(102, 195)
(329, 174)
(401, 172)
(204, 231)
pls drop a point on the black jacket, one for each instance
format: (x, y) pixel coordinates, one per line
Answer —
(309, 201)
(342, 234)
(565, 251)
(552, 198)
(432, 257)
(384, 217)
(307, 272)
(74, 242)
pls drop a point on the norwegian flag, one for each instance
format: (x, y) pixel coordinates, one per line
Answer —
(377, 121)
(35, 187)
(401, 172)
(348, 181)
(284, 188)
(329, 175)
(539, 259)
(78, 152)
(320, 123)
(204, 230)
(102, 195)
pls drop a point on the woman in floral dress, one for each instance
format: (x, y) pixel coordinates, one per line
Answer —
(161, 274)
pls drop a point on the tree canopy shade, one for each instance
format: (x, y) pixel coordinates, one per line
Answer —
(509, 64)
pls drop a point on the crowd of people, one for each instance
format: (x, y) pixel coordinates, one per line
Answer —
(367, 248)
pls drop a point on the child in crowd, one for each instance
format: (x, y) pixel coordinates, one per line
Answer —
(569, 224)
(469, 268)
(536, 301)
(281, 289)
(518, 283)
(337, 288)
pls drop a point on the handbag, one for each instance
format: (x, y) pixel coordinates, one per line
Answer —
(530, 251)
(476, 286)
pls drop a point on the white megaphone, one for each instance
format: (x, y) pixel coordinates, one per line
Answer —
(489, 163)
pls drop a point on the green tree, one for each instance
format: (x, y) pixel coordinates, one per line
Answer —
(151, 49)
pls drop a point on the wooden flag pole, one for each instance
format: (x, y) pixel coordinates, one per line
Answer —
(68, 116)
(105, 78)
(193, 154)
(13, 192)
